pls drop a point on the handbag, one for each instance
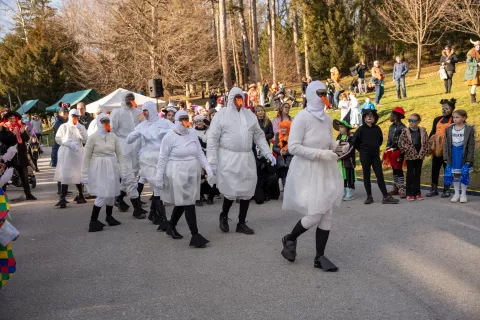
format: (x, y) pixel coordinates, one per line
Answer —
(443, 73)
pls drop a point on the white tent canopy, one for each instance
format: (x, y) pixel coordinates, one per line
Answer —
(114, 99)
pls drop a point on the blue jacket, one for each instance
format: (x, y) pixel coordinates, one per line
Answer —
(399, 70)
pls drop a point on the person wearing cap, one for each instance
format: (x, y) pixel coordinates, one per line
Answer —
(220, 103)
(71, 137)
(367, 140)
(314, 184)
(472, 72)
(393, 157)
(123, 121)
(400, 69)
(92, 128)
(252, 95)
(178, 176)
(448, 60)
(437, 139)
(102, 168)
(14, 133)
(151, 132)
(346, 156)
(229, 152)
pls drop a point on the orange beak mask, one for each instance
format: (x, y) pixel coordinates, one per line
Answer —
(186, 124)
(106, 125)
(134, 103)
(238, 102)
(74, 120)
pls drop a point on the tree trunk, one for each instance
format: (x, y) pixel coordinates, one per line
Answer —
(227, 78)
(273, 23)
(295, 41)
(246, 44)
(305, 43)
(255, 39)
(234, 52)
(216, 32)
(153, 38)
(269, 34)
(245, 74)
(419, 59)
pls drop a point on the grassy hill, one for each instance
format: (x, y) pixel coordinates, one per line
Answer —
(424, 97)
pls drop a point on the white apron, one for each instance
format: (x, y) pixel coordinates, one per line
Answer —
(104, 177)
(182, 182)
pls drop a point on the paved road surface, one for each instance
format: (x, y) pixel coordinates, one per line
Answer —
(410, 261)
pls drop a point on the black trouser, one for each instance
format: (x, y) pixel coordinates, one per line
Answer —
(414, 173)
(244, 204)
(437, 164)
(23, 174)
(35, 162)
(372, 161)
(190, 216)
(349, 182)
(448, 82)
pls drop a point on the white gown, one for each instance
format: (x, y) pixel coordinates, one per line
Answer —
(69, 164)
(229, 146)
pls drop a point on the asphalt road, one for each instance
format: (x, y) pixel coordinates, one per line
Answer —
(417, 260)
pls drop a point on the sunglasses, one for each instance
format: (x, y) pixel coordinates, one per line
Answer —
(412, 121)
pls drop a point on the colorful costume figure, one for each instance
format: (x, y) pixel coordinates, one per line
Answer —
(229, 149)
(314, 184)
(102, 168)
(346, 157)
(178, 176)
(472, 71)
(152, 132)
(71, 137)
(393, 157)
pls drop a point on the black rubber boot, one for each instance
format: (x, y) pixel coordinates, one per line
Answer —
(59, 188)
(446, 192)
(110, 219)
(140, 190)
(120, 203)
(80, 198)
(320, 260)
(138, 212)
(95, 226)
(198, 241)
(63, 197)
(152, 211)
(289, 251)
(160, 216)
(433, 191)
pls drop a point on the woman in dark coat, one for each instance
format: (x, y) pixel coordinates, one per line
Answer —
(280, 147)
(264, 123)
(448, 60)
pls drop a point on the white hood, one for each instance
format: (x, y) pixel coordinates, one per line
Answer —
(315, 104)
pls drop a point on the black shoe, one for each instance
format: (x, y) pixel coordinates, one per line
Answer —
(30, 197)
(198, 241)
(150, 215)
(172, 232)
(433, 191)
(80, 199)
(224, 224)
(445, 193)
(95, 226)
(390, 200)
(243, 228)
(369, 200)
(199, 203)
(209, 201)
(289, 251)
(138, 212)
(122, 206)
(112, 221)
(325, 264)
(62, 203)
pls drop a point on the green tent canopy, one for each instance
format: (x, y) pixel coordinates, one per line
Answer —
(32, 106)
(73, 98)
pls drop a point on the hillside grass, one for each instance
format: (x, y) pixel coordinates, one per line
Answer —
(424, 97)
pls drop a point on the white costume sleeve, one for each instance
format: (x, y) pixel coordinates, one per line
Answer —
(60, 133)
(114, 121)
(87, 157)
(121, 160)
(213, 140)
(295, 139)
(163, 156)
(134, 135)
(260, 140)
(83, 133)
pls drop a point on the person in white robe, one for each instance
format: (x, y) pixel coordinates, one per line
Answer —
(92, 128)
(152, 131)
(71, 137)
(178, 176)
(229, 152)
(314, 183)
(102, 168)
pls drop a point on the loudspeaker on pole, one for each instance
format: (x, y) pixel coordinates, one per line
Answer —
(155, 88)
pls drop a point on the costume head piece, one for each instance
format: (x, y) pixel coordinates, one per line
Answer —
(152, 110)
(73, 116)
(366, 112)
(102, 128)
(181, 122)
(317, 99)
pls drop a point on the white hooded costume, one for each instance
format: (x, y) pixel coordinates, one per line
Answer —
(92, 128)
(314, 182)
(179, 162)
(103, 164)
(71, 138)
(123, 121)
(229, 148)
(152, 131)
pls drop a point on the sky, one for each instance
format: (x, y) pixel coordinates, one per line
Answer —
(6, 14)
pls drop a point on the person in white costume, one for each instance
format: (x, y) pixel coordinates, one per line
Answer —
(314, 183)
(178, 176)
(152, 131)
(102, 167)
(229, 151)
(123, 121)
(92, 128)
(70, 136)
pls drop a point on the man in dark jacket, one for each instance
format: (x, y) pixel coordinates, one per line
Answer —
(13, 132)
(85, 117)
(400, 69)
(361, 70)
(212, 99)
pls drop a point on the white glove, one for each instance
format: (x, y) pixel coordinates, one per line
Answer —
(160, 184)
(345, 147)
(84, 181)
(73, 145)
(10, 153)
(271, 158)
(337, 143)
(214, 169)
(209, 171)
(327, 155)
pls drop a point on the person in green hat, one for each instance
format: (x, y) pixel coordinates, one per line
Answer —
(346, 156)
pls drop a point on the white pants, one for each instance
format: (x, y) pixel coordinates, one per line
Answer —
(321, 220)
(100, 202)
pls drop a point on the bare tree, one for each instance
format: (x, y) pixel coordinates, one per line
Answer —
(227, 78)
(273, 37)
(246, 44)
(295, 39)
(269, 34)
(464, 16)
(253, 9)
(414, 22)
(305, 44)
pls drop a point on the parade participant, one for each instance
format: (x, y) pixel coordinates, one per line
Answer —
(123, 121)
(367, 140)
(448, 61)
(472, 72)
(178, 176)
(92, 128)
(314, 184)
(152, 132)
(85, 117)
(280, 147)
(102, 165)
(355, 115)
(60, 119)
(170, 114)
(346, 157)
(459, 153)
(437, 139)
(393, 157)
(229, 152)
(344, 105)
(415, 145)
(71, 137)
